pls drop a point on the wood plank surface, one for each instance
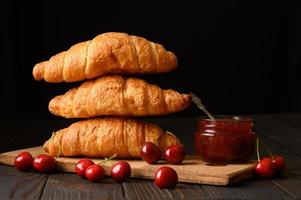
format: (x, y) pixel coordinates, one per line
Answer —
(289, 182)
(251, 189)
(281, 132)
(20, 185)
(71, 186)
(293, 119)
(192, 170)
(145, 189)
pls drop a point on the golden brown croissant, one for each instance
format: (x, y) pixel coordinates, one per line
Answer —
(117, 53)
(116, 96)
(105, 137)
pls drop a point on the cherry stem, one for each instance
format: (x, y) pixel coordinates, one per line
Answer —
(168, 132)
(199, 104)
(266, 148)
(107, 159)
(257, 149)
(39, 152)
(175, 137)
(60, 147)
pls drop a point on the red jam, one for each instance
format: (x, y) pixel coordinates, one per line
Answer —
(225, 140)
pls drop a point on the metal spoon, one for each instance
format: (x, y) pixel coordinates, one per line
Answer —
(199, 104)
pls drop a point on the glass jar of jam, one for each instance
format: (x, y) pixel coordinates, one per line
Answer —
(225, 139)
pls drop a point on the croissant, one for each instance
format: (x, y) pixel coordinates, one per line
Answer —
(116, 96)
(105, 137)
(117, 53)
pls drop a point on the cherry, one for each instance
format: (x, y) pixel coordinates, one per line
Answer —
(279, 164)
(150, 153)
(166, 177)
(44, 163)
(82, 165)
(175, 154)
(265, 168)
(268, 166)
(94, 173)
(120, 171)
(24, 161)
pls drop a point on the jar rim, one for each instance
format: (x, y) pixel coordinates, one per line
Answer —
(221, 118)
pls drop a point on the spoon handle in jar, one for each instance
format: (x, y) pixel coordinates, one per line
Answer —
(199, 104)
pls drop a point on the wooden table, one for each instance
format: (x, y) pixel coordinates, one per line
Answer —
(281, 132)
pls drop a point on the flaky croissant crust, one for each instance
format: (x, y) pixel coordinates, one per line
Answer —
(105, 137)
(107, 53)
(114, 95)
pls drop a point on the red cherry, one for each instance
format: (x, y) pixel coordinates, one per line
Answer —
(265, 168)
(150, 153)
(82, 165)
(95, 173)
(24, 161)
(175, 154)
(279, 164)
(166, 177)
(44, 163)
(120, 171)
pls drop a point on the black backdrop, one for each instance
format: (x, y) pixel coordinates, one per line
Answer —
(239, 57)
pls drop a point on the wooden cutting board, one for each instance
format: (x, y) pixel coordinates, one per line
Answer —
(192, 170)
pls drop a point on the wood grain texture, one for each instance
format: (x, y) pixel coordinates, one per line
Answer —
(192, 170)
(290, 181)
(279, 131)
(293, 119)
(71, 186)
(145, 189)
(16, 185)
(251, 189)
(20, 185)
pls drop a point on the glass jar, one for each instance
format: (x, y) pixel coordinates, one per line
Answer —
(225, 139)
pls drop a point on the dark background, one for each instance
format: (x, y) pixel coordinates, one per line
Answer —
(240, 57)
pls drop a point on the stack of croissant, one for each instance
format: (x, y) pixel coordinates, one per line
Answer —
(109, 98)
